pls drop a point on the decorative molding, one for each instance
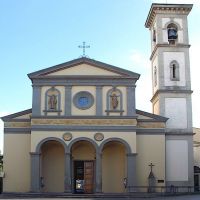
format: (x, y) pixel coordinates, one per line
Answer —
(67, 136)
(67, 81)
(99, 136)
(167, 45)
(84, 117)
(179, 90)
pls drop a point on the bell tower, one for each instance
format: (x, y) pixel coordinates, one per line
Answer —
(171, 86)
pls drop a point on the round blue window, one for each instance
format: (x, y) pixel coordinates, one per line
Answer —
(83, 100)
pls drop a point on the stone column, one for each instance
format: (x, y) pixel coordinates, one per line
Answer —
(35, 172)
(36, 101)
(68, 185)
(130, 101)
(131, 172)
(68, 96)
(99, 100)
(98, 172)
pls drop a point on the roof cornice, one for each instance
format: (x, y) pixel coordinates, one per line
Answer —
(157, 8)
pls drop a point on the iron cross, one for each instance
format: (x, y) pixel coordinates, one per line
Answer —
(151, 165)
(84, 47)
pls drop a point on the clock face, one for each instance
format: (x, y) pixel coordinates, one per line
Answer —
(83, 100)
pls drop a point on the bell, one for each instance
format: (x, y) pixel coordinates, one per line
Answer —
(172, 34)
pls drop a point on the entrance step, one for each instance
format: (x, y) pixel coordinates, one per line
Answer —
(87, 196)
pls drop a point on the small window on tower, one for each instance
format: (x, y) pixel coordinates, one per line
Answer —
(174, 71)
(154, 35)
(172, 32)
(155, 76)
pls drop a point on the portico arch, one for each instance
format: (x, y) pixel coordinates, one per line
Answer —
(83, 161)
(38, 147)
(83, 139)
(52, 150)
(128, 148)
(118, 163)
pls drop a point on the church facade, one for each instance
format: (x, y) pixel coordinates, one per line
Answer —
(84, 134)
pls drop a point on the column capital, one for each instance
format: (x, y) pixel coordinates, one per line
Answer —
(34, 153)
(131, 154)
(68, 153)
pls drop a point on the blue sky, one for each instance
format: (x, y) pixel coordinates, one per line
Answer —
(36, 34)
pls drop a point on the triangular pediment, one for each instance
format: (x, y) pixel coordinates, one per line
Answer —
(83, 70)
(83, 67)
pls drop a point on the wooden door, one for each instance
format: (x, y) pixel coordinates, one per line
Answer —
(88, 176)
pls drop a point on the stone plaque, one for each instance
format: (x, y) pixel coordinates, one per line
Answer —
(99, 136)
(67, 136)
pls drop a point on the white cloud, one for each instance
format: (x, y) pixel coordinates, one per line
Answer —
(139, 60)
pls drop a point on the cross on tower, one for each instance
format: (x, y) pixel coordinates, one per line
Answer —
(151, 165)
(84, 47)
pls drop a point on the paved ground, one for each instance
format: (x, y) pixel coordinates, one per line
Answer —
(184, 197)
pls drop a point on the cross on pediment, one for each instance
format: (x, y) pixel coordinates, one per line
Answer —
(84, 47)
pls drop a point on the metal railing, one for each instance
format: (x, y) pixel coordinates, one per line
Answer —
(164, 189)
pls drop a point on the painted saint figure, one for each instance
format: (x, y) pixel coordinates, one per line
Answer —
(52, 103)
(114, 101)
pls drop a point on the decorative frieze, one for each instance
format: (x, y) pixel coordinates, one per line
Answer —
(85, 122)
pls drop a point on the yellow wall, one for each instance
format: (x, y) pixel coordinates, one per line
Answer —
(83, 151)
(113, 168)
(52, 162)
(150, 148)
(84, 69)
(16, 163)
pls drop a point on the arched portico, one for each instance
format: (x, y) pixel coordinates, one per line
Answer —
(50, 147)
(77, 147)
(118, 149)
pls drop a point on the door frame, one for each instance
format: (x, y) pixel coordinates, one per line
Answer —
(94, 174)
